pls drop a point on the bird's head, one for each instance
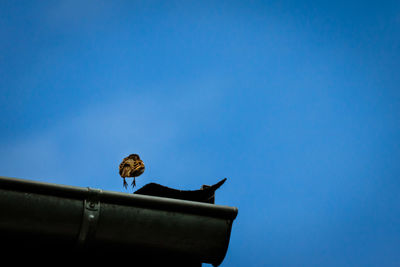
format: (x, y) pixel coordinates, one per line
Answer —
(134, 156)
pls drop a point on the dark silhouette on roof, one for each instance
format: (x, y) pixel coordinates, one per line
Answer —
(205, 194)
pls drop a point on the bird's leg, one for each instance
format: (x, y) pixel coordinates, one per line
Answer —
(133, 182)
(125, 184)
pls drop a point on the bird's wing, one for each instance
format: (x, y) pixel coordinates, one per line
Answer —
(138, 164)
(122, 164)
(125, 163)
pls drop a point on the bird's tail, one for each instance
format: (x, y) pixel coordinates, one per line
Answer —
(217, 185)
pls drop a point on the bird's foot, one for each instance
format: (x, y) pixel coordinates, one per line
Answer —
(125, 184)
(133, 182)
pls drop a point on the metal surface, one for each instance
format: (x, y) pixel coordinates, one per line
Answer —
(90, 216)
(143, 225)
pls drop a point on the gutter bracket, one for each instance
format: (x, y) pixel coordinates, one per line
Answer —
(90, 216)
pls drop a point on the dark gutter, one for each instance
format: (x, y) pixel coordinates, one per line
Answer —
(36, 213)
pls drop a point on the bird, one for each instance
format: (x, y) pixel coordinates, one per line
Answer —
(205, 194)
(131, 166)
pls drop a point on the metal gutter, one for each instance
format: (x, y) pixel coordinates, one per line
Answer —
(52, 215)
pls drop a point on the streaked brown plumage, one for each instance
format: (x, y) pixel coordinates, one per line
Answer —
(131, 166)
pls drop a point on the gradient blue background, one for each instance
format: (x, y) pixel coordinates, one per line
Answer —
(296, 102)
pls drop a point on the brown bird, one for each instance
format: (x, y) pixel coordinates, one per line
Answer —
(131, 166)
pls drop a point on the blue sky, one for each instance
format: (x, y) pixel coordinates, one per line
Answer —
(296, 102)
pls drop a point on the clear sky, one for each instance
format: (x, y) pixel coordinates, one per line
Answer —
(297, 103)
